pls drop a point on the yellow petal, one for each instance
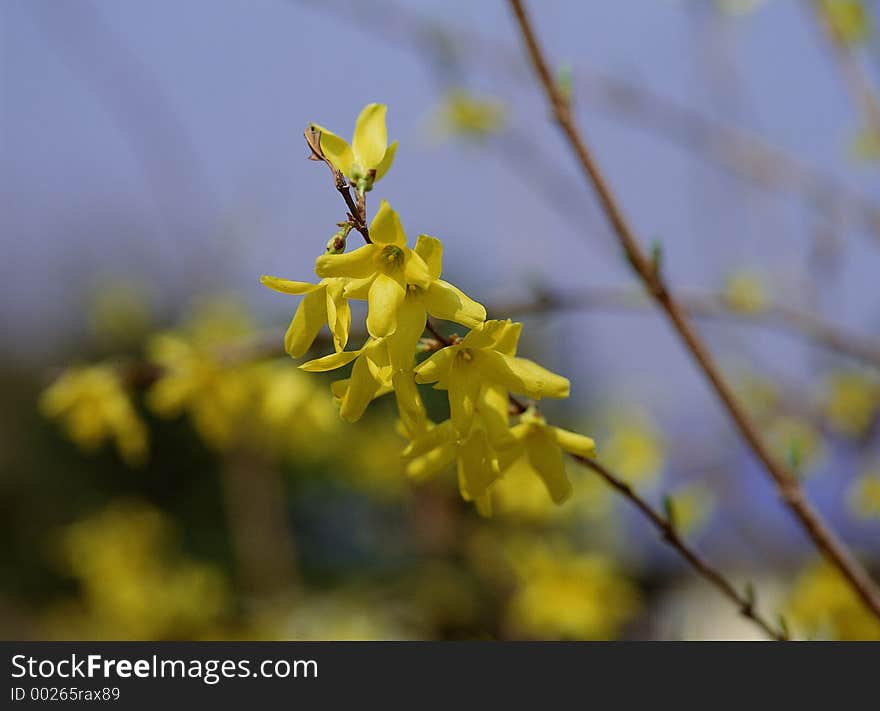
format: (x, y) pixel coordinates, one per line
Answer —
(357, 264)
(362, 388)
(437, 366)
(416, 271)
(310, 316)
(546, 459)
(385, 299)
(330, 362)
(488, 333)
(338, 388)
(358, 288)
(337, 150)
(573, 442)
(434, 461)
(338, 314)
(409, 404)
(445, 301)
(476, 467)
(520, 375)
(286, 286)
(410, 326)
(436, 436)
(464, 389)
(387, 160)
(494, 409)
(507, 338)
(430, 249)
(370, 139)
(386, 228)
(484, 504)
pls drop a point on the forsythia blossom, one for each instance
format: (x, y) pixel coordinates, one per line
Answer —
(480, 372)
(93, 406)
(369, 156)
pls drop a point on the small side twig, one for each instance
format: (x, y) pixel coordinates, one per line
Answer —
(357, 212)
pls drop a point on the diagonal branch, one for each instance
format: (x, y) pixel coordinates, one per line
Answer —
(671, 537)
(834, 550)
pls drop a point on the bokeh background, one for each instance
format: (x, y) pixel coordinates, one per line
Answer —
(152, 166)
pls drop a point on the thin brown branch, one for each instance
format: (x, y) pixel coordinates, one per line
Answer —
(670, 535)
(357, 212)
(672, 538)
(834, 550)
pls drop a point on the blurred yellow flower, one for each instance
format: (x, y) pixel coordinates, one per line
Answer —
(462, 113)
(293, 414)
(133, 582)
(823, 606)
(93, 406)
(633, 447)
(851, 402)
(197, 378)
(692, 506)
(566, 595)
(521, 495)
(746, 292)
(847, 20)
(194, 380)
(864, 495)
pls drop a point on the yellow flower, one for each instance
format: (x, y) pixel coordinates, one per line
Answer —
(470, 116)
(293, 414)
(322, 303)
(369, 156)
(562, 594)
(93, 407)
(439, 299)
(475, 456)
(852, 402)
(194, 380)
(370, 376)
(864, 495)
(745, 292)
(822, 605)
(134, 582)
(379, 272)
(633, 447)
(848, 20)
(543, 446)
(485, 357)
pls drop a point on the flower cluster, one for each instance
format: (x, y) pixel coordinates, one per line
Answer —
(93, 407)
(403, 288)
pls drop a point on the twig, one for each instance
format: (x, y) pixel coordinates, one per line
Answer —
(670, 535)
(708, 305)
(357, 213)
(786, 483)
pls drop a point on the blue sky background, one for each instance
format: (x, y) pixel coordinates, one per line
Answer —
(161, 143)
